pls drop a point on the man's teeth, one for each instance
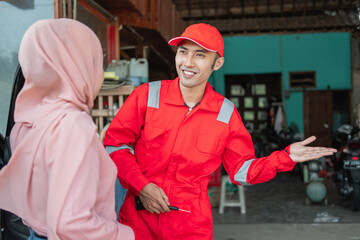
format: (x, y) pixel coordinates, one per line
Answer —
(188, 73)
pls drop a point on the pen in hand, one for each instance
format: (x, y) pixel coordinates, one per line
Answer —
(140, 206)
(178, 209)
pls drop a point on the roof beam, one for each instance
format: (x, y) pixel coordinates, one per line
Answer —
(294, 6)
(202, 8)
(256, 7)
(281, 24)
(188, 8)
(242, 8)
(216, 8)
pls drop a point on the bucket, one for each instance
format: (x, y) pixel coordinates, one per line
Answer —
(136, 80)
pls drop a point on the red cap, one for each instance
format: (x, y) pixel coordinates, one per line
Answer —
(205, 35)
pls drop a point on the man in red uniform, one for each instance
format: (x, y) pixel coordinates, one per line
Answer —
(170, 135)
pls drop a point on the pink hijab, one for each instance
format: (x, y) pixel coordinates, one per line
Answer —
(54, 139)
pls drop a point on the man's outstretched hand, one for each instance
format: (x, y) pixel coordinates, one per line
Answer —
(299, 152)
(154, 199)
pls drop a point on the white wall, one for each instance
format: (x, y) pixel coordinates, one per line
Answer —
(15, 17)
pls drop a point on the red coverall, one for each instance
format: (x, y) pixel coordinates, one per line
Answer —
(154, 138)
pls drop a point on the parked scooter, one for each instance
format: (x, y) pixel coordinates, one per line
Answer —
(347, 164)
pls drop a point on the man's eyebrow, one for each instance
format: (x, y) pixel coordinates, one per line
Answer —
(198, 50)
(201, 50)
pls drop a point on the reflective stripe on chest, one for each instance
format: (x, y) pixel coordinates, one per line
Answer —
(224, 115)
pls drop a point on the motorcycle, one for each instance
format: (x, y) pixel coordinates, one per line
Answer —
(347, 164)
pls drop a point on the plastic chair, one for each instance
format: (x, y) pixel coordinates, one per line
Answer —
(231, 203)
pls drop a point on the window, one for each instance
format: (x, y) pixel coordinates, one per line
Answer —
(302, 79)
(252, 95)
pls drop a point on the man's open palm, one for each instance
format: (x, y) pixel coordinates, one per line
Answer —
(299, 152)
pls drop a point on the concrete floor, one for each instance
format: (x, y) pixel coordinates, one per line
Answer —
(287, 231)
(278, 210)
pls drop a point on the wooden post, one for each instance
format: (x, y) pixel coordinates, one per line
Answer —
(69, 6)
(101, 119)
(153, 14)
(58, 9)
(113, 41)
(117, 39)
(110, 43)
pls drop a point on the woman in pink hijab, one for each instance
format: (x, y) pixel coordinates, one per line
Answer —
(60, 180)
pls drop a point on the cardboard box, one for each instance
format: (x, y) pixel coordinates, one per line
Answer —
(214, 196)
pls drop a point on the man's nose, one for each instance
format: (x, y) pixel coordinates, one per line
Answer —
(189, 60)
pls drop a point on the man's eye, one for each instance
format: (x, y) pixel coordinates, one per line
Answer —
(200, 55)
(181, 51)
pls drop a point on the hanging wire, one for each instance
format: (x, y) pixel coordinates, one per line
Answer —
(115, 84)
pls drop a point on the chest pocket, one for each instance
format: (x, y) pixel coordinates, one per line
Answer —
(153, 136)
(210, 144)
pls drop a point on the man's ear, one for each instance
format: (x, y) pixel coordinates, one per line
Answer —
(219, 62)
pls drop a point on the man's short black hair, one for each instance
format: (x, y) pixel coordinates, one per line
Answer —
(217, 56)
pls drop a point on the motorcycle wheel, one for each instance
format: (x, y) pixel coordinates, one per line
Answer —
(356, 199)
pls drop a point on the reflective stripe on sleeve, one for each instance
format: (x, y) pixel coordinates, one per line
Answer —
(241, 175)
(154, 94)
(226, 111)
(111, 149)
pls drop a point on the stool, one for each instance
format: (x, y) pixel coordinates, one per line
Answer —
(231, 203)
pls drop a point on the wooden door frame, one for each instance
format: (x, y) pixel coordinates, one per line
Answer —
(306, 110)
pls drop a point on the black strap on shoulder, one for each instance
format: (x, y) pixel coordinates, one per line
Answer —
(2, 150)
(11, 226)
(7, 150)
(19, 81)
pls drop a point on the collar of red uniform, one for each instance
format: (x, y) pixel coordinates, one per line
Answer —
(209, 101)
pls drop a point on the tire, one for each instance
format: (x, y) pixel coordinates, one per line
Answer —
(356, 199)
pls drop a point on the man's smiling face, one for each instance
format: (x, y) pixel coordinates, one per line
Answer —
(194, 64)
